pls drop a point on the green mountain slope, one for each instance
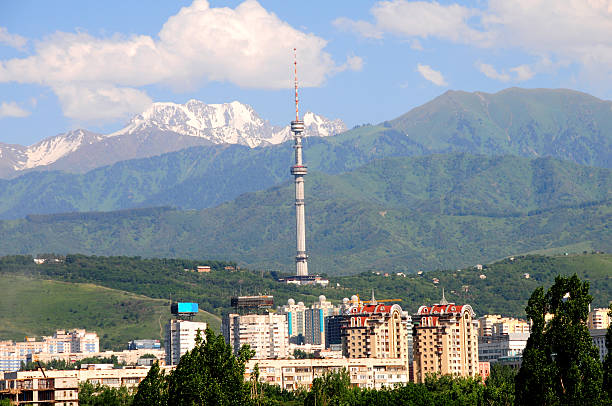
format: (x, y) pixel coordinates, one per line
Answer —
(34, 307)
(505, 290)
(530, 122)
(438, 211)
(533, 123)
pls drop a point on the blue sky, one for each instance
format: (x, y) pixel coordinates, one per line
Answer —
(75, 64)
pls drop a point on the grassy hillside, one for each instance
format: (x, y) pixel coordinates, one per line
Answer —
(35, 307)
(433, 212)
(504, 290)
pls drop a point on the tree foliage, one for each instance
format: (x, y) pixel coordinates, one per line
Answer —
(560, 362)
(210, 374)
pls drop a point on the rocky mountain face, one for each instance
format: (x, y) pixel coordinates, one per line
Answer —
(164, 127)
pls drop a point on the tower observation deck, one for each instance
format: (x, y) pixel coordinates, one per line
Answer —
(299, 170)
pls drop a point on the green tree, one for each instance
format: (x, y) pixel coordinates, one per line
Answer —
(210, 374)
(499, 389)
(560, 362)
(607, 364)
(332, 389)
(153, 390)
(101, 395)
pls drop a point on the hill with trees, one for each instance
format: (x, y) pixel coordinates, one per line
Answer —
(432, 212)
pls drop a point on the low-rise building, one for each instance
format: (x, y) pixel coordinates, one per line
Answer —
(144, 345)
(292, 374)
(61, 387)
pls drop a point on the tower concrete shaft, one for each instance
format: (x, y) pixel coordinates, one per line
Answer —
(299, 170)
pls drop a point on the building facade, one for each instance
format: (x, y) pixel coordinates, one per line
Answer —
(180, 338)
(598, 319)
(375, 331)
(292, 374)
(266, 334)
(445, 341)
(12, 354)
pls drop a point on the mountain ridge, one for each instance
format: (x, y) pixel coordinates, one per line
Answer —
(164, 127)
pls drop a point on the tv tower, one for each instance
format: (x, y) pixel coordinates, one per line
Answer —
(299, 170)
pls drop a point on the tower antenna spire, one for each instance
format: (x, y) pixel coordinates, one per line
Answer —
(299, 170)
(297, 111)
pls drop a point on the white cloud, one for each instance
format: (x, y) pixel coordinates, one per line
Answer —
(100, 102)
(563, 32)
(247, 46)
(11, 109)
(490, 72)
(521, 72)
(433, 76)
(12, 40)
(362, 28)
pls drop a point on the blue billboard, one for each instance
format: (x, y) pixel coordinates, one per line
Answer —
(187, 307)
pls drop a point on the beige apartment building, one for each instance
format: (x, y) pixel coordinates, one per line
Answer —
(495, 324)
(375, 331)
(598, 319)
(445, 340)
(267, 334)
(292, 374)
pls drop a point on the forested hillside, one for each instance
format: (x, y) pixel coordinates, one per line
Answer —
(433, 212)
(60, 302)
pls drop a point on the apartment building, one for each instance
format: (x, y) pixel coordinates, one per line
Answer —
(375, 331)
(445, 340)
(492, 324)
(266, 334)
(292, 374)
(598, 319)
(61, 388)
(492, 348)
(12, 354)
(180, 338)
(296, 320)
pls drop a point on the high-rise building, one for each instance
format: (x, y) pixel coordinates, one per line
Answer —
(296, 320)
(492, 324)
(180, 338)
(315, 321)
(266, 334)
(375, 331)
(445, 340)
(598, 319)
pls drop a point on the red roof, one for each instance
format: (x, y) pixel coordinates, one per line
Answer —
(441, 309)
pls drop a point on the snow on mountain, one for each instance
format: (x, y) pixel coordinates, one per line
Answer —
(163, 127)
(227, 123)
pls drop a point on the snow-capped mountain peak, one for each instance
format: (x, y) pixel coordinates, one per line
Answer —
(227, 123)
(163, 127)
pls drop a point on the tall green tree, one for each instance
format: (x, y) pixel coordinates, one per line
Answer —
(153, 390)
(607, 364)
(210, 374)
(560, 362)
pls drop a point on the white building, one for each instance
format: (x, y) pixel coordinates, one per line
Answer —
(292, 374)
(599, 339)
(266, 334)
(491, 348)
(598, 319)
(180, 338)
